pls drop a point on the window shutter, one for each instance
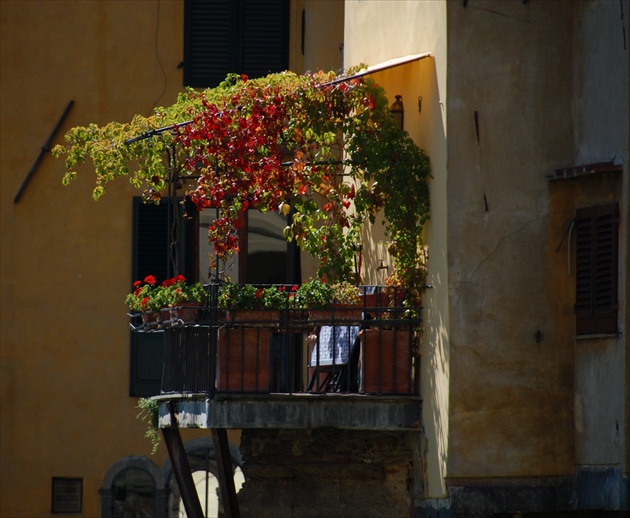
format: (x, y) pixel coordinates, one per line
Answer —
(265, 37)
(146, 364)
(151, 249)
(150, 241)
(584, 264)
(208, 34)
(234, 36)
(596, 269)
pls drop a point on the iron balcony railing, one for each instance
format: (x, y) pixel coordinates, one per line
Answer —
(370, 348)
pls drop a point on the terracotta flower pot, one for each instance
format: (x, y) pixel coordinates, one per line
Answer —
(151, 319)
(337, 313)
(186, 312)
(243, 359)
(255, 318)
(385, 361)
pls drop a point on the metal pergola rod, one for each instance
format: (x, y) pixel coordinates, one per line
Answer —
(158, 131)
(43, 151)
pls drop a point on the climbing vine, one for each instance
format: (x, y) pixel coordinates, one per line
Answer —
(319, 148)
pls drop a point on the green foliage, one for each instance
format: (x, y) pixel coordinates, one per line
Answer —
(329, 154)
(234, 296)
(176, 291)
(345, 293)
(314, 294)
(149, 296)
(149, 414)
(144, 297)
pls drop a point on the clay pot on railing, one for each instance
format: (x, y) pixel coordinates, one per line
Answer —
(385, 361)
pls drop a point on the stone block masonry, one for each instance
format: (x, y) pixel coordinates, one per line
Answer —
(329, 472)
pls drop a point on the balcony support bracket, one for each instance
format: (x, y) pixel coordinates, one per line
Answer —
(226, 474)
(181, 468)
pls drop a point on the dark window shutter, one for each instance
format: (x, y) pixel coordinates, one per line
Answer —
(208, 34)
(163, 240)
(596, 230)
(154, 247)
(146, 364)
(151, 243)
(265, 37)
(234, 36)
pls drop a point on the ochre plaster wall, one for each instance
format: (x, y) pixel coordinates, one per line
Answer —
(516, 112)
(66, 259)
(509, 118)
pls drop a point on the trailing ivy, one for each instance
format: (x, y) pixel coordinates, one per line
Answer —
(149, 414)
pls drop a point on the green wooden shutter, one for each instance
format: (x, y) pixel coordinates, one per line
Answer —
(597, 241)
(234, 36)
(155, 248)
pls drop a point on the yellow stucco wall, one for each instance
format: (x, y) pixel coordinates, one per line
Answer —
(497, 402)
(516, 112)
(66, 259)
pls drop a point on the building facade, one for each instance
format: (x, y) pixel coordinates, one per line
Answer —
(522, 107)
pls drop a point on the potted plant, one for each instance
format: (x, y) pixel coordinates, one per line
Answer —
(172, 300)
(388, 357)
(144, 299)
(243, 349)
(328, 302)
(246, 302)
(181, 302)
(313, 294)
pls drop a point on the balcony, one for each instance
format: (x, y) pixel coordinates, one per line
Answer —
(351, 367)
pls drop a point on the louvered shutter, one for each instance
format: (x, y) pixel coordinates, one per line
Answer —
(151, 243)
(596, 231)
(151, 255)
(265, 36)
(234, 36)
(209, 53)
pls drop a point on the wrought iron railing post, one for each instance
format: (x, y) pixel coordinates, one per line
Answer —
(212, 305)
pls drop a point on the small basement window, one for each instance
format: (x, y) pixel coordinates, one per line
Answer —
(67, 495)
(597, 245)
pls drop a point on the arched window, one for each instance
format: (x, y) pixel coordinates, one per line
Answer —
(133, 487)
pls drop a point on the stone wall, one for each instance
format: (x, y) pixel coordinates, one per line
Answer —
(330, 472)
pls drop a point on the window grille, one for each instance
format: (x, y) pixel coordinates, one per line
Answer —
(67, 495)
